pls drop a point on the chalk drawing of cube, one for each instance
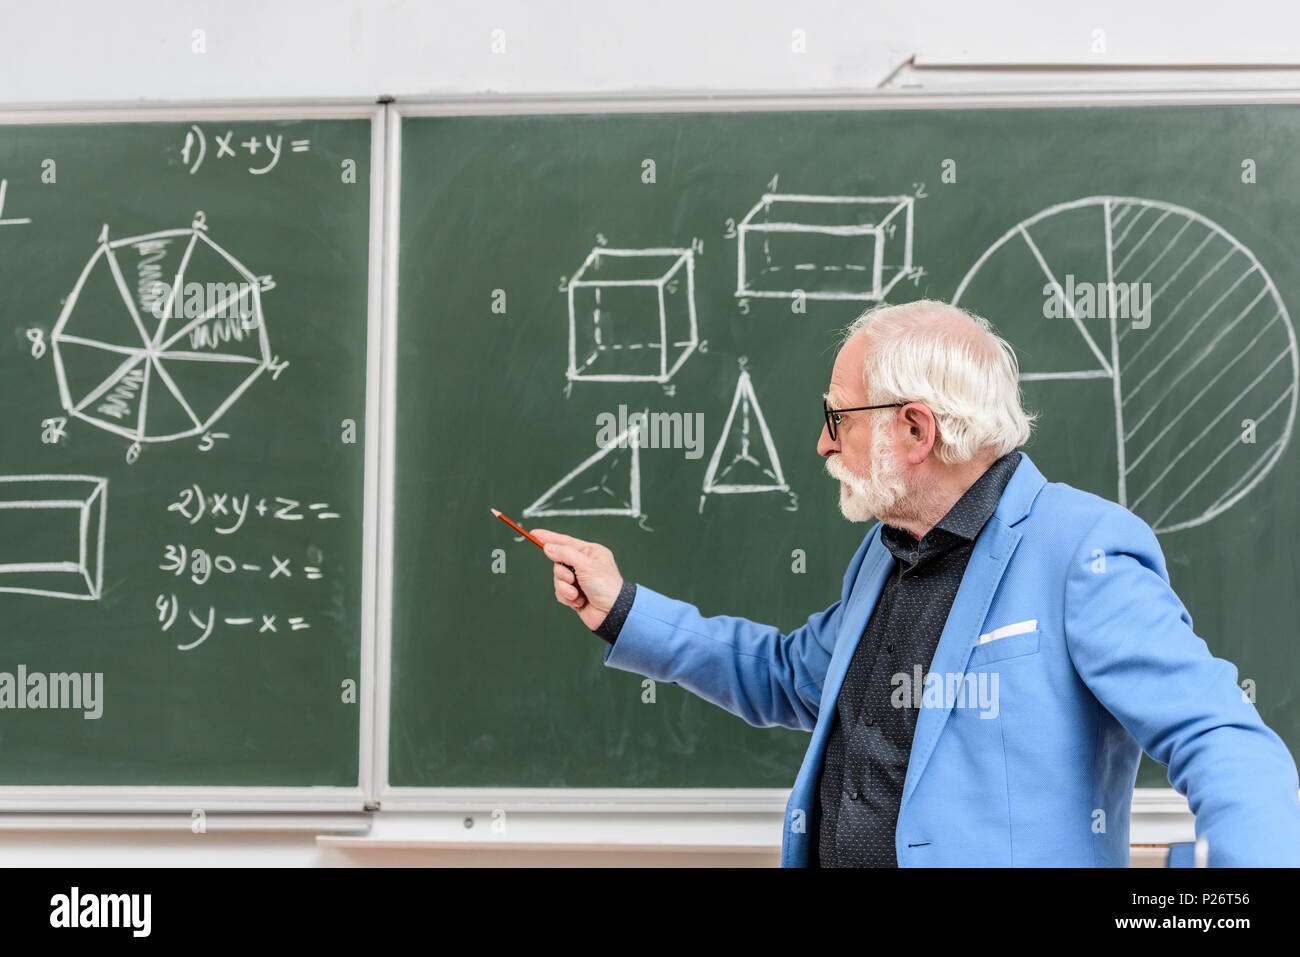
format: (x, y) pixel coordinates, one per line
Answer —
(632, 315)
(52, 535)
(825, 247)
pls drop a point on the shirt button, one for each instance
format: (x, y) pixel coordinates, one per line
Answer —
(889, 647)
(871, 722)
(855, 795)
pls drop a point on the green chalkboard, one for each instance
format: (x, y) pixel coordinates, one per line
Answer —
(557, 269)
(185, 316)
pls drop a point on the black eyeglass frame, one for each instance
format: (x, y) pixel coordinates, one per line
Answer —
(830, 422)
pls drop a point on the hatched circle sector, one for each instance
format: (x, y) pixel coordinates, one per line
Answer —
(84, 367)
(115, 404)
(231, 327)
(1215, 350)
(171, 310)
(132, 305)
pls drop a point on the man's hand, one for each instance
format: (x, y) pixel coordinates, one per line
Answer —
(597, 575)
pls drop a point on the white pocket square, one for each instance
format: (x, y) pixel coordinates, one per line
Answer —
(1006, 631)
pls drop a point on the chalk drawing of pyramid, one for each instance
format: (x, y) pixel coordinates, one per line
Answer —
(745, 458)
(606, 483)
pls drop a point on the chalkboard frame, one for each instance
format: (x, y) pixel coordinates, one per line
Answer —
(245, 801)
(1155, 803)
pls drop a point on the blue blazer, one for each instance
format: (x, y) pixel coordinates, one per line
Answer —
(1066, 654)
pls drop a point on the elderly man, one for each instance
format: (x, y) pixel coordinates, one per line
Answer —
(1003, 650)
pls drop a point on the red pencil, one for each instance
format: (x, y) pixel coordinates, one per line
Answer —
(518, 529)
(541, 546)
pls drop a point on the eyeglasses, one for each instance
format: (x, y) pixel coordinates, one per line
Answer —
(832, 415)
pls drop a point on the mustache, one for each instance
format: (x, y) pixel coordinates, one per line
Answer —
(839, 471)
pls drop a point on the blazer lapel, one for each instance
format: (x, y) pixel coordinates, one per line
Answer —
(796, 850)
(988, 563)
(866, 592)
(862, 601)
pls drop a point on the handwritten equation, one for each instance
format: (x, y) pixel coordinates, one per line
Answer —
(224, 507)
(169, 611)
(273, 568)
(195, 150)
(200, 564)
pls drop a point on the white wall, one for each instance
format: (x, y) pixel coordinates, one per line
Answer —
(131, 51)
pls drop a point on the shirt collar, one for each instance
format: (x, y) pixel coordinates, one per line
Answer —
(966, 519)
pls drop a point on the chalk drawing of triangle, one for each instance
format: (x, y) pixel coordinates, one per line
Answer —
(607, 483)
(745, 458)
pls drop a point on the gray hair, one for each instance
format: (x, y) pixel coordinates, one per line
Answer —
(952, 361)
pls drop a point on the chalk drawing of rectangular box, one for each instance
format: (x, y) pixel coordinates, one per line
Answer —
(632, 315)
(52, 535)
(824, 247)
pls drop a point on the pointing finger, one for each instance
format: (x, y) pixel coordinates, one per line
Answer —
(567, 554)
(546, 536)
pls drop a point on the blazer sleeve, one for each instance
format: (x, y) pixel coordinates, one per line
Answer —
(752, 670)
(1131, 640)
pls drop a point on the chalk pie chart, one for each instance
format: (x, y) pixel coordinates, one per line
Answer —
(1178, 318)
(133, 353)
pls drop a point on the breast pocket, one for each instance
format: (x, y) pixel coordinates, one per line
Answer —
(999, 649)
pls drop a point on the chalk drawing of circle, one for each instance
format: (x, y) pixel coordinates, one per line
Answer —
(135, 355)
(1183, 321)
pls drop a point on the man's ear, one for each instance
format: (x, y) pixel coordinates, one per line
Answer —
(921, 432)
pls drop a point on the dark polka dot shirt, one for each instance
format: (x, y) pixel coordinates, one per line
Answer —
(861, 784)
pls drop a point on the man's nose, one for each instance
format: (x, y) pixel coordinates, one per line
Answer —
(825, 445)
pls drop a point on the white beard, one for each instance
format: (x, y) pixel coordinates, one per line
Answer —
(862, 499)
